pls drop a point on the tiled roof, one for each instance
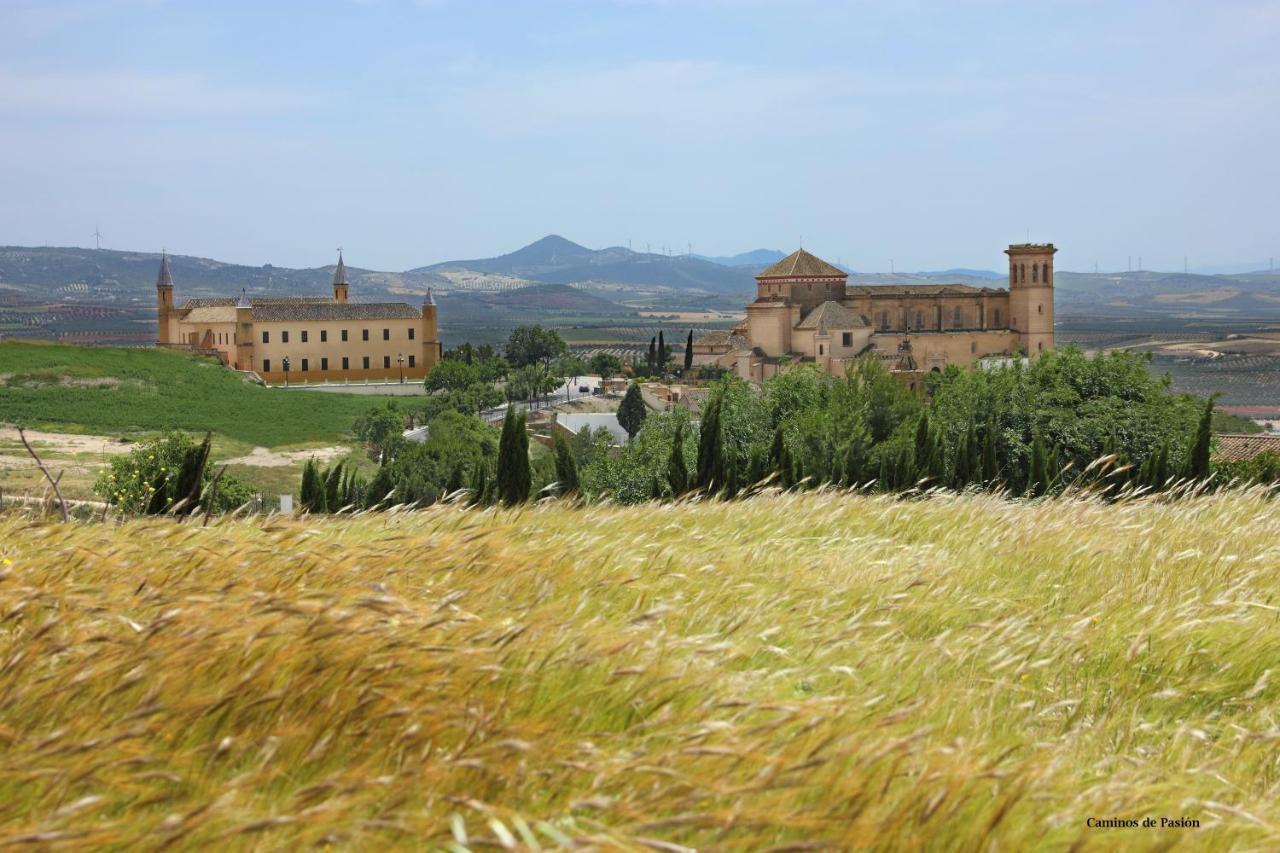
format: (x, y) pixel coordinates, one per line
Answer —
(918, 290)
(220, 302)
(1236, 447)
(832, 315)
(290, 312)
(211, 314)
(340, 271)
(799, 264)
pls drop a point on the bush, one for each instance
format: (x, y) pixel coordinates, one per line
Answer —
(150, 479)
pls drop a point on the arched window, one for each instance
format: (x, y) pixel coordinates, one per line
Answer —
(956, 317)
(1035, 273)
(820, 350)
(1045, 276)
(1022, 273)
(884, 321)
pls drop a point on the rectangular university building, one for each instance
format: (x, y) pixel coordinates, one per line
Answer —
(323, 339)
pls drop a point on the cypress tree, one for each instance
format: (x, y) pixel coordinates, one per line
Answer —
(662, 353)
(778, 450)
(457, 478)
(688, 353)
(190, 481)
(566, 467)
(677, 470)
(709, 441)
(513, 460)
(1038, 476)
(1198, 454)
(853, 462)
(479, 483)
(923, 446)
(333, 489)
(653, 354)
(1160, 470)
(632, 411)
(307, 490)
(990, 468)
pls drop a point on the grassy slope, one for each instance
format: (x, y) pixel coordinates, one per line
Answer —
(146, 390)
(967, 671)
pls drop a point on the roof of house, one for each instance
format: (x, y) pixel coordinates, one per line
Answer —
(832, 315)
(730, 339)
(575, 422)
(800, 264)
(918, 290)
(291, 312)
(1236, 447)
(255, 301)
(211, 314)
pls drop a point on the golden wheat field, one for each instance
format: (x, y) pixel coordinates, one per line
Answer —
(818, 671)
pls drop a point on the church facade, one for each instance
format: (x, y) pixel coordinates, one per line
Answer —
(304, 339)
(805, 311)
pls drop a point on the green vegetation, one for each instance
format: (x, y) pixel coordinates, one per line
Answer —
(809, 671)
(169, 475)
(122, 391)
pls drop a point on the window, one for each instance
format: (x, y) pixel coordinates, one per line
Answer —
(884, 320)
(344, 336)
(284, 337)
(820, 350)
(324, 336)
(364, 334)
(266, 337)
(1039, 309)
(386, 334)
(305, 368)
(304, 336)
(997, 318)
(411, 362)
(324, 364)
(973, 346)
(366, 362)
(266, 365)
(386, 361)
(411, 333)
(1040, 346)
(345, 363)
(1022, 273)
(1035, 273)
(956, 317)
(919, 319)
(846, 339)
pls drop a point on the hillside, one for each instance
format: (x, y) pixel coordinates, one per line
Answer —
(986, 673)
(123, 391)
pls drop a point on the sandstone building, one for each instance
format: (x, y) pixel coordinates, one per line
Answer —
(805, 311)
(324, 339)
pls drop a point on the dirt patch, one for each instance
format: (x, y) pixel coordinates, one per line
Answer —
(261, 457)
(66, 442)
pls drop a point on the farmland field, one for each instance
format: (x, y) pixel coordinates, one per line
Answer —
(964, 672)
(122, 391)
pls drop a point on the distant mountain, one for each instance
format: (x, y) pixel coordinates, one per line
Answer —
(963, 273)
(755, 258)
(544, 302)
(554, 259)
(110, 276)
(1147, 293)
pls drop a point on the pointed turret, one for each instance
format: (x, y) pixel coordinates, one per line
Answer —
(431, 351)
(164, 302)
(340, 280)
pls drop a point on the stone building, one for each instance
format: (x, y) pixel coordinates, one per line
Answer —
(805, 311)
(323, 339)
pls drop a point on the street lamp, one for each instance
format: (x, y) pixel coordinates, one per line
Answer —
(286, 371)
(400, 359)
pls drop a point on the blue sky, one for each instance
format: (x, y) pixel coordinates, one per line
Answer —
(409, 132)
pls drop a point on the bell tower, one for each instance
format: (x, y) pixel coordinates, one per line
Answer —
(1031, 295)
(340, 280)
(164, 302)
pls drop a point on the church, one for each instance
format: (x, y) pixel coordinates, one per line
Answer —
(805, 311)
(304, 339)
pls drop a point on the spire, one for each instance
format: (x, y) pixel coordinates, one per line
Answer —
(164, 279)
(430, 299)
(244, 300)
(340, 271)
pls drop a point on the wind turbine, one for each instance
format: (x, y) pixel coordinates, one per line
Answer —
(97, 236)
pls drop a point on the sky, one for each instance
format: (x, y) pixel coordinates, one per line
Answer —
(926, 135)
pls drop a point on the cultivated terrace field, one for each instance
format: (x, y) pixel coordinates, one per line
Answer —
(798, 671)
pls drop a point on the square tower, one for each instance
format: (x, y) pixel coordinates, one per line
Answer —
(1031, 295)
